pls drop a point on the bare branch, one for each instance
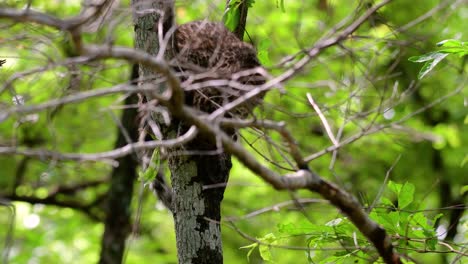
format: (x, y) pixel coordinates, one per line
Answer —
(376, 128)
(275, 207)
(312, 53)
(326, 43)
(429, 14)
(323, 119)
(304, 179)
(71, 24)
(78, 97)
(108, 155)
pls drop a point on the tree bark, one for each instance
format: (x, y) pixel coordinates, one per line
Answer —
(117, 223)
(196, 206)
(199, 183)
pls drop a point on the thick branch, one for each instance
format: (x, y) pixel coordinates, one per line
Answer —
(303, 179)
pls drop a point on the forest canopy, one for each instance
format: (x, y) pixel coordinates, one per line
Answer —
(356, 150)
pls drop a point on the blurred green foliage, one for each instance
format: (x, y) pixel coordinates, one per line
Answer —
(427, 153)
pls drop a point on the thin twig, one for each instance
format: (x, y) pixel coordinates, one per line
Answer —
(323, 119)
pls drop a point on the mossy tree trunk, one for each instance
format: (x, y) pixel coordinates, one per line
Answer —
(199, 180)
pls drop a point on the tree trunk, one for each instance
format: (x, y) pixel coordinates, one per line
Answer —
(117, 223)
(198, 181)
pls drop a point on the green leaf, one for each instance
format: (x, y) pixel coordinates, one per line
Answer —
(252, 248)
(231, 18)
(431, 243)
(263, 54)
(456, 50)
(450, 43)
(450, 46)
(265, 253)
(394, 187)
(421, 220)
(435, 218)
(150, 173)
(426, 57)
(454, 46)
(387, 202)
(406, 195)
(390, 221)
(428, 66)
(464, 53)
(264, 250)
